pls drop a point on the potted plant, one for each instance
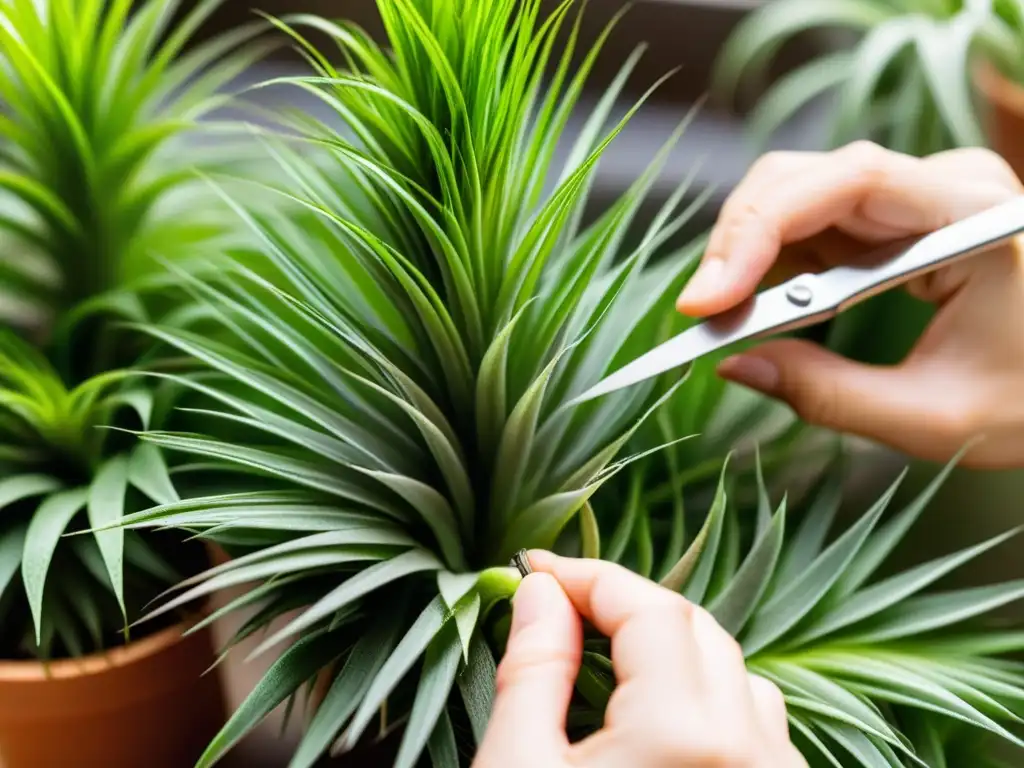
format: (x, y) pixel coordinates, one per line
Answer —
(400, 390)
(913, 80)
(96, 100)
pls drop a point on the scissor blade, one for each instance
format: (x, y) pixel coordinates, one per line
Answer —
(676, 352)
(773, 310)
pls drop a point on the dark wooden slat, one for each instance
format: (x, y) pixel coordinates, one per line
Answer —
(683, 34)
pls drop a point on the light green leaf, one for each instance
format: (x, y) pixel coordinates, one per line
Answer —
(783, 611)
(866, 752)
(44, 532)
(412, 646)
(435, 685)
(433, 508)
(795, 90)
(298, 664)
(889, 535)
(477, 685)
(889, 592)
(12, 543)
(466, 616)
(14, 489)
(455, 586)
(363, 583)
(106, 508)
(491, 385)
(148, 472)
(737, 602)
(806, 731)
(763, 33)
(810, 537)
(944, 49)
(280, 565)
(873, 57)
(924, 614)
(682, 572)
(516, 444)
(539, 525)
(764, 502)
(361, 666)
(590, 533)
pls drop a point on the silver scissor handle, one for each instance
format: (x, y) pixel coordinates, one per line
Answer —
(967, 237)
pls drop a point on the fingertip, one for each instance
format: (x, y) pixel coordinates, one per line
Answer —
(692, 307)
(537, 674)
(704, 290)
(753, 371)
(542, 560)
(539, 599)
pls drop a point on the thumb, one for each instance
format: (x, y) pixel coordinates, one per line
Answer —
(889, 405)
(536, 678)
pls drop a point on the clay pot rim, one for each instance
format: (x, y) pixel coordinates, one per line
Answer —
(998, 88)
(31, 671)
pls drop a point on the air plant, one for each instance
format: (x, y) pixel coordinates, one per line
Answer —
(389, 413)
(906, 82)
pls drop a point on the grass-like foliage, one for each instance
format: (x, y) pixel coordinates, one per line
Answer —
(387, 412)
(96, 98)
(877, 667)
(906, 83)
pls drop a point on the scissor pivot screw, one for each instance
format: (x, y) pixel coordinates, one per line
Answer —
(800, 295)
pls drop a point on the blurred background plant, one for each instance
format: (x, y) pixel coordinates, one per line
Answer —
(98, 102)
(916, 76)
(908, 80)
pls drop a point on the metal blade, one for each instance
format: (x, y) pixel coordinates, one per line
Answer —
(676, 352)
(773, 311)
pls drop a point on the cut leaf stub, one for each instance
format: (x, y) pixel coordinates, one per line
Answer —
(521, 562)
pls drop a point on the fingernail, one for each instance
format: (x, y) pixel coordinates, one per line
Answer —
(751, 371)
(706, 282)
(533, 600)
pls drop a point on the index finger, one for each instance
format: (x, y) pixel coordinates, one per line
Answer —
(536, 677)
(650, 627)
(790, 197)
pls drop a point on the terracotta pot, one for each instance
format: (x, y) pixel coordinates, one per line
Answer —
(1005, 102)
(145, 704)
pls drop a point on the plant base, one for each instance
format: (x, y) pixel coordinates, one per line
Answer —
(146, 704)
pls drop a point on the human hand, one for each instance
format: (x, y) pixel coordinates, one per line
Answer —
(965, 376)
(684, 697)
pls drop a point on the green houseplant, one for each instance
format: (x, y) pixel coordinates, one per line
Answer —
(392, 418)
(96, 100)
(911, 82)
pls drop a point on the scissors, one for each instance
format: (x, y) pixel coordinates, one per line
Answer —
(814, 298)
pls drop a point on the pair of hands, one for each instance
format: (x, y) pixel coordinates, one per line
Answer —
(684, 697)
(800, 212)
